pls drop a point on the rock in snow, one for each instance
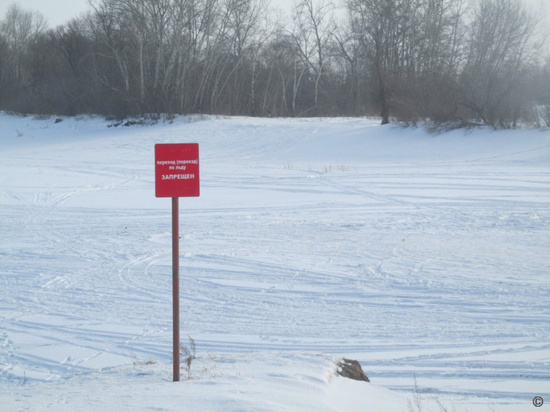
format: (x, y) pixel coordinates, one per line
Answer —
(349, 368)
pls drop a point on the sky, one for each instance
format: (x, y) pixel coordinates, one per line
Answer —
(56, 12)
(61, 11)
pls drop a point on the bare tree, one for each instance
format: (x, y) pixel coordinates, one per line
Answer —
(244, 36)
(110, 30)
(383, 27)
(500, 49)
(19, 30)
(313, 28)
(352, 57)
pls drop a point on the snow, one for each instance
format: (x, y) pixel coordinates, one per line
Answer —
(425, 257)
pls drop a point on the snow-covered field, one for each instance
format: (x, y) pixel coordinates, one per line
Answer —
(424, 257)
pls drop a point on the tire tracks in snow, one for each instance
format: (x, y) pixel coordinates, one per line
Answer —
(139, 275)
(46, 215)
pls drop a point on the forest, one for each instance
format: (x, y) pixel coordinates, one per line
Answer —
(450, 63)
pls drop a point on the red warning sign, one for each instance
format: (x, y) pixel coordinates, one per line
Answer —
(177, 170)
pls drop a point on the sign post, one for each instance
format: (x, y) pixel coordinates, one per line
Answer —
(176, 288)
(176, 175)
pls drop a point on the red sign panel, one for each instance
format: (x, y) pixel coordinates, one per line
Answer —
(177, 170)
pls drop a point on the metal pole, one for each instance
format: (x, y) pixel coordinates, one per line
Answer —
(176, 287)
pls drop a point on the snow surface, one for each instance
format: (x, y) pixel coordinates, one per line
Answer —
(425, 257)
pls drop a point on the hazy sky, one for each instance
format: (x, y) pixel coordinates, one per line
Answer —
(56, 11)
(60, 11)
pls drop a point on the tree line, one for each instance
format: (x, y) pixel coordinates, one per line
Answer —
(450, 62)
